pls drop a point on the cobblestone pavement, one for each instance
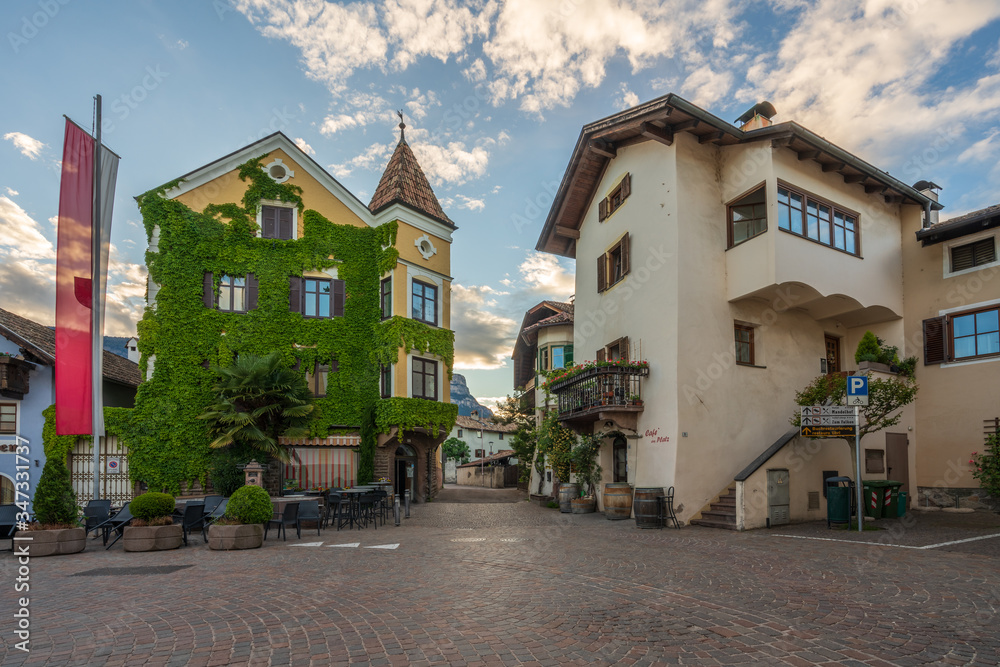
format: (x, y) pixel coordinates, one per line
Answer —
(513, 584)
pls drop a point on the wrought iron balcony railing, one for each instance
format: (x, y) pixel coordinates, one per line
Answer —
(601, 389)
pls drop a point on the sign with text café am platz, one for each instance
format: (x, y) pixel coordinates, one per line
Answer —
(828, 421)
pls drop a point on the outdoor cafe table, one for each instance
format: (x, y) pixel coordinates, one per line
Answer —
(352, 496)
(279, 503)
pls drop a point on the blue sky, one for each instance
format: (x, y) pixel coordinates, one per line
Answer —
(495, 94)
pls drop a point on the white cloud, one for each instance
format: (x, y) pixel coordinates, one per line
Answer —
(375, 156)
(20, 235)
(461, 201)
(421, 102)
(544, 274)
(336, 122)
(435, 28)
(453, 163)
(305, 147)
(705, 87)
(29, 147)
(981, 150)
(859, 70)
(476, 71)
(483, 339)
(628, 98)
(12, 192)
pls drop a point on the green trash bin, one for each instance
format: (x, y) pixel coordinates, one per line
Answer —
(890, 499)
(874, 497)
(901, 510)
(839, 492)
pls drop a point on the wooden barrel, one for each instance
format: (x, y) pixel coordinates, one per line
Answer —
(584, 505)
(567, 492)
(647, 508)
(617, 501)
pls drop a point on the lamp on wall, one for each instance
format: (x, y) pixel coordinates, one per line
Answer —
(822, 365)
(608, 424)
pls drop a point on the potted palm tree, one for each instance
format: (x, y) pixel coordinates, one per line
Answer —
(242, 527)
(55, 531)
(153, 527)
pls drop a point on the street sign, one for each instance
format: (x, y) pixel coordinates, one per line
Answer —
(857, 390)
(827, 421)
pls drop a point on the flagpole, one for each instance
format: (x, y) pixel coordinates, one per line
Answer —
(96, 306)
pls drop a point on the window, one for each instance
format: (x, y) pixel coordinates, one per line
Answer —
(975, 254)
(480, 453)
(424, 304)
(820, 221)
(614, 201)
(543, 359)
(235, 294)
(425, 379)
(744, 344)
(316, 297)
(613, 265)
(747, 217)
(276, 222)
(319, 377)
(385, 297)
(385, 381)
(459, 433)
(620, 454)
(8, 417)
(500, 436)
(615, 351)
(964, 336)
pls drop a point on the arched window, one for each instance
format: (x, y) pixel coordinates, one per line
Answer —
(405, 450)
(6, 490)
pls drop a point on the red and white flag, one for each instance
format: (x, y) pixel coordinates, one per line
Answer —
(75, 334)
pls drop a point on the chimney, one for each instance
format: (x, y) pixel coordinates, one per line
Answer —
(928, 189)
(132, 347)
(757, 116)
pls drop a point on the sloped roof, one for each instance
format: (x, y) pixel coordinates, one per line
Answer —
(40, 341)
(962, 225)
(545, 314)
(502, 454)
(403, 182)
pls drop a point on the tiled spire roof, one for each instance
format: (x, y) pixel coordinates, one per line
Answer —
(404, 182)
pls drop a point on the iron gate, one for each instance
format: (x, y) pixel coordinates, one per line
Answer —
(115, 483)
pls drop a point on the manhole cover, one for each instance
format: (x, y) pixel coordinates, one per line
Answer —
(127, 571)
(469, 539)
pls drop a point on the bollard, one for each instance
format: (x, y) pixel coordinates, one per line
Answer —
(407, 496)
(395, 508)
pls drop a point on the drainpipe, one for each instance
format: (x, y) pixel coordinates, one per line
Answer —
(927, 214)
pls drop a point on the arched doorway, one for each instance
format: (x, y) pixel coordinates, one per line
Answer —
(405, 470)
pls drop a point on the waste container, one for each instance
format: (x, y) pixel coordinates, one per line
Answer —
(890, 499)
(874, 497)
(839, 493)
(901, 509)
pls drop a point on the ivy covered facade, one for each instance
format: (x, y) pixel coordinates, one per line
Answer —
(263, 250)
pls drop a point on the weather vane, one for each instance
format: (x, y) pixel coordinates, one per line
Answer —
(402, 125)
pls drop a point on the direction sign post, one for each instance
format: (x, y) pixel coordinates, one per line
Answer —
(857, 396)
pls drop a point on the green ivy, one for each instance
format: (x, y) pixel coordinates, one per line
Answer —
(168, 445)
(57, 446)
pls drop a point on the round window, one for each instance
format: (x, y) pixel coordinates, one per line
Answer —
(277, 172)
(425, 247)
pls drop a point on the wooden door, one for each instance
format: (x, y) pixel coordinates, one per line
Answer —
(897, 462)
(832, 354)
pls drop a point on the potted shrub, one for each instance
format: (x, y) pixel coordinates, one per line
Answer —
(242, 527)
(56, 531)
(588, 473)
(152, 528)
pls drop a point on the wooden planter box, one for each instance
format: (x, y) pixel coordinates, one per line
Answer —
(241, 536)
(152, 538)
(54, 542)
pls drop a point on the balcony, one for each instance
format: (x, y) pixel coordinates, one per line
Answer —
(602, 392)
(14, 377)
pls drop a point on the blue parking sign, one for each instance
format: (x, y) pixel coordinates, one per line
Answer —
(857, 390)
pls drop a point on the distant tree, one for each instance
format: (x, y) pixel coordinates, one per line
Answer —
(456, 449)
(258, 400)
(514, 410)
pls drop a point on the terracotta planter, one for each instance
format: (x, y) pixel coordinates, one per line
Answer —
(584, 505)
(240, 536)
(54, 542)
(152, 538)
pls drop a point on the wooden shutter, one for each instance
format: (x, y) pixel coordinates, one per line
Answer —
(602, 210)
(973, 254)
(208, 290)
(626, 186)
(935, 341)
(338, 299)
(985, 251)
(625, 253)
(601, 355)
(285, 223)
(252, 290)
(568, 355)
(269, 222)
(602, 267)
(334, 365)
(294, 294)
(623, 348)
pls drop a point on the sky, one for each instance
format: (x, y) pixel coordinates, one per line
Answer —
(494, 95)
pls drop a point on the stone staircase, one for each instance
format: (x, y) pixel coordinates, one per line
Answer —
(721, 512)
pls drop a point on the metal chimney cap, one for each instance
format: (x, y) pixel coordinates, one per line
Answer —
(765, 109)
(919, 186)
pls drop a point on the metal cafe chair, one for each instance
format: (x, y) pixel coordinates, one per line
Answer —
(289, 517)
(116, 524)
(366, 510)
(211, 502)
(334, 508)
(95, 513)
(667, 509)
(308, 511)
(212, 517)
(8, 522)
(193, 519)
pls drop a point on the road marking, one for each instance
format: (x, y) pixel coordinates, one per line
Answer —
(308, 544)
(469, 539)
(384, 546)
(898, 546)
(349, 544)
